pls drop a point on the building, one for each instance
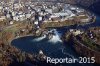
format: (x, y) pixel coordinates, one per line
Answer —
(2, 18)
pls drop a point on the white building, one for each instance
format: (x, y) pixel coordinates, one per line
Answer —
(77, 32)
(13, 13)
(11, 22)
(40, 18)
(28, 15)
(1, 7)
(16, 18)
(59, 14)
(36, 22)
(48, 10)
(22, 17)
(2, 18)
(8, 15)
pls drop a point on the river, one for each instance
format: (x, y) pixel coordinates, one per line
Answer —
(53, 47)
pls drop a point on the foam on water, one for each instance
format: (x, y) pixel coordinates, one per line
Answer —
(40, 38)
(56, 37)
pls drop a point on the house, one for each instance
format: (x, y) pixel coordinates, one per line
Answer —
(28, 15)
(11, 22)
(8, 15)
(2, 18)
(1, 7)
(13, 13)
(77, 32)
(40, 18)
(49, 10)
(36, 23)
(16, 18)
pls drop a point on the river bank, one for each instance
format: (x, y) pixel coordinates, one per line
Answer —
(22, 42)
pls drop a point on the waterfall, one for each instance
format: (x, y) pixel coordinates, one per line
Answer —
(56, 37)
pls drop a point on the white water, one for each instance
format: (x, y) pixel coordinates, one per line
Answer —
(56, 37)
(40, 38)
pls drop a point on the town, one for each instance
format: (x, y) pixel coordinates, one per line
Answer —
(41, 12)
(52, 26)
